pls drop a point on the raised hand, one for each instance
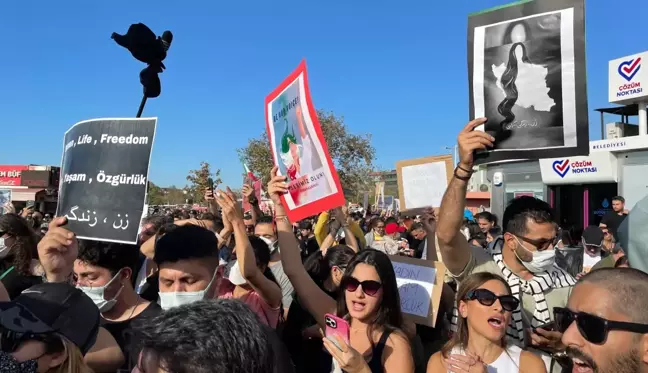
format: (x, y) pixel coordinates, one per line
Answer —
(229, 205)
(470, 140)
(57, 251)
(277, 186)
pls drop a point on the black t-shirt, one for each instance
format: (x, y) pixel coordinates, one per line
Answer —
(308, 246)
(126, 337)
(13, 281)
(282, 361)
(613, 220)
(308, 355)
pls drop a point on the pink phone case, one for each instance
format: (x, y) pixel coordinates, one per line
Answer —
(336, 326)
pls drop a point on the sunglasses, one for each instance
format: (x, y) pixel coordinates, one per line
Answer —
(369, 287)
(10, 341)
(593, 328)
(487, 298)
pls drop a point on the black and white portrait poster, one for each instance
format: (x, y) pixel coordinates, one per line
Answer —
(526, 66)
(104, 177)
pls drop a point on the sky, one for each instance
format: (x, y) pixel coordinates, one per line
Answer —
(395, 70)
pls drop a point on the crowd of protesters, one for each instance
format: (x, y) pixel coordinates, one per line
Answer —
(232, 291)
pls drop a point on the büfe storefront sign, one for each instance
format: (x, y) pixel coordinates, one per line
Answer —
(628, 79)
(10, 175)
(598, 167)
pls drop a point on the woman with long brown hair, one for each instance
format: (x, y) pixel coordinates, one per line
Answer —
(485, 304)
(18, 255)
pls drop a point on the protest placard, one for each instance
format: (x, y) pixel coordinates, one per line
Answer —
(299, 150)
(420, 283)
(422, 182)
(104, 177)
(526, 66)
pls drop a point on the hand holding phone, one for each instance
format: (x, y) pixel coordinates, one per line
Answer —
(336, 326)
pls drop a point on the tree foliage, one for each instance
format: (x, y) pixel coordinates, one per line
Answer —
(352, 154)
(198, 181)
(155, 195)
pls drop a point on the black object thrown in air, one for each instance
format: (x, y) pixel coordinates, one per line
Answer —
(152, 50)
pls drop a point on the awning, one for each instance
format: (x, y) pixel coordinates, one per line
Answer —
(25, 194)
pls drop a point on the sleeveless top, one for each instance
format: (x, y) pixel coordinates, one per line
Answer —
(375, 364)
(508, 361)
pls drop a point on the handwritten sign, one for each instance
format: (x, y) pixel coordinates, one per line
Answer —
(104, 174)
(422, 182)
(419, 285)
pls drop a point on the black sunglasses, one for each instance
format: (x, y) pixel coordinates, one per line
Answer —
(593, 328)
(10, 341)
(487, 298)
(369, 287)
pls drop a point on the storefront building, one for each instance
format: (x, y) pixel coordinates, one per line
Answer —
(25, 183)
(581, 188)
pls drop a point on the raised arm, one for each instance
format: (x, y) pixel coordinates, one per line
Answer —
(429, 224)
(248, 194)
(342, 215)
(310, 295)
(453, 246)
(267, 289)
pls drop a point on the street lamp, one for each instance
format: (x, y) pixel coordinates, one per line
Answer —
(453, 149)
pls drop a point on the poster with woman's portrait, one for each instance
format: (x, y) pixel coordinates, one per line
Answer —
(527, 77)
(299, 150)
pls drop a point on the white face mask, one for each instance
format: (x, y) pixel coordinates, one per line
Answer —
(180, 298)
(542, 260)
(96, 293)
(4, 249)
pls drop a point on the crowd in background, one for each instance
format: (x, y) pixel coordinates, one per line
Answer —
(231, 291)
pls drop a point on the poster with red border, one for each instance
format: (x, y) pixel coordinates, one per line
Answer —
(299, 150)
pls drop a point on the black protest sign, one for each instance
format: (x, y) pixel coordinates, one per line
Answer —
(104, 177)
(526, 72)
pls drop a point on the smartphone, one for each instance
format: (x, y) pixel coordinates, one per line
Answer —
(551, 326)
(210, 183)
(31, 204)
(336, 326)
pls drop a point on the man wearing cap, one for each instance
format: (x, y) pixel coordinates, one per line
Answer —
(592, 240)
(42, 326)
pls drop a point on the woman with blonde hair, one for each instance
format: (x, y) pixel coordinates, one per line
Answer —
(47, 329)
(485, 305)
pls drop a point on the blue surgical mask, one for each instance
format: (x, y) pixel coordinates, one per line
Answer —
(180, 298)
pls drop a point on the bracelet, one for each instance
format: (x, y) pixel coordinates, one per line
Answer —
(464, 170)
(462, 178)
(283, 218)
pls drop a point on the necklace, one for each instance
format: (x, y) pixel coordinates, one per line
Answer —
(134, 308)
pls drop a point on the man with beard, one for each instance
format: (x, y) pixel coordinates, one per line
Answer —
(605, 323)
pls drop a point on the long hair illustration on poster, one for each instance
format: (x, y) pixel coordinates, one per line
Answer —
(508, 84)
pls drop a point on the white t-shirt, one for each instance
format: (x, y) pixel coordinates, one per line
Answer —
(590, 261)
(508, 361)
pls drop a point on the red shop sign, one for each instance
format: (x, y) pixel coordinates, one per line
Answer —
(10, 175)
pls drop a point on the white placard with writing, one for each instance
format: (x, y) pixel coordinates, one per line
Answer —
(415, 286)
(424, 184)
